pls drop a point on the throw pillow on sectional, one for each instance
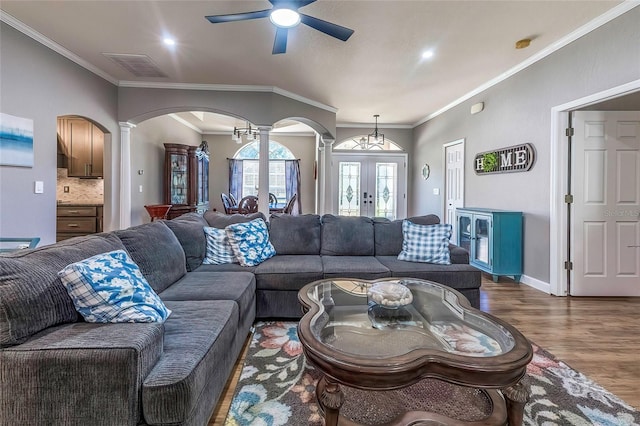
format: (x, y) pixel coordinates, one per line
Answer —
(109, 288)
(425, 243)
(250, 242)
(219, 249)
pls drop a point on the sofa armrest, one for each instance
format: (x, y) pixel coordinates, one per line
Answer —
(458, 254)
(79, 374)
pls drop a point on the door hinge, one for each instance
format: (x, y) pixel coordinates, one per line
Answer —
(568, 265)
(568, 199)
(569, 131)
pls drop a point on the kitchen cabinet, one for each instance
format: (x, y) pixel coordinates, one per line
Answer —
(74, 220)
(84, 147)
(186, 180)
(493, 239)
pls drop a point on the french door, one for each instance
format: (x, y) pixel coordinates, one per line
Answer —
(373, 185)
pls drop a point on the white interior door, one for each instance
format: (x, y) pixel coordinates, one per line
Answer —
(371, 185)
(454, 182)
(606, 208)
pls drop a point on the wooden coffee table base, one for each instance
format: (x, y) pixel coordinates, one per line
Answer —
(332, 400)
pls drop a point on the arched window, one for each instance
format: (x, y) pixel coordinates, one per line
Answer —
(360, 143)
(249, 154)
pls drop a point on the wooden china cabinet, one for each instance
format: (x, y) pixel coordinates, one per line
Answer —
(186, 179)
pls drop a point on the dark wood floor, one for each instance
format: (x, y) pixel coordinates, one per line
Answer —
(599, 337)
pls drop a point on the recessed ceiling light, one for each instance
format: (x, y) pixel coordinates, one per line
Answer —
(427, 54)
(285, 18)
(169, 41)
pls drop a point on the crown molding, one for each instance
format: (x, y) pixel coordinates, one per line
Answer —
(30, 32)
(590, 26)
(226, 88)
(371, 125)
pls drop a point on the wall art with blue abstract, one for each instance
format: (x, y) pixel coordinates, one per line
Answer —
(16, 141)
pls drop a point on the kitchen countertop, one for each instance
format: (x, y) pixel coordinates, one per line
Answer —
(69, 204)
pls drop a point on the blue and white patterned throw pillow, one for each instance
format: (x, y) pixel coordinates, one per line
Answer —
(425, 243)
(109, 287)
(219, 250)
(250, 242)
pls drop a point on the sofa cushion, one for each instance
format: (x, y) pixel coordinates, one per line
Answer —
(291, 234)
(237, 286)
(425, 243)
(219, 249)
(188, 230)
(250, 242)
(221, 220)
(32, 296)
(79, 374)
(109, 288)
(226, 267)
(157, 251)
(363, 267)
(199, 354)
(457, 276)
(347, 236)
(288, 272)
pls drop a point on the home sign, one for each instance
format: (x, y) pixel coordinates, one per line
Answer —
(518, 158)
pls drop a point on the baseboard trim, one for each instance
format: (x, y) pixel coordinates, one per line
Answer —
(535, 283)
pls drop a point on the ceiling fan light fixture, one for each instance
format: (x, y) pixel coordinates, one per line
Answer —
(284, 18)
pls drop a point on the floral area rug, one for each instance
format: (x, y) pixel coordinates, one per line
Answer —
(277, 387)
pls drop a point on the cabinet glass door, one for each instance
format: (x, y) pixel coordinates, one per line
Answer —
(178, 179)
(482, 243)
(464, 232)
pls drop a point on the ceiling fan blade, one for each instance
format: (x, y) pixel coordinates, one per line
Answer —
(216, 19)
(280, 43)
(292, 4)
(334, 30)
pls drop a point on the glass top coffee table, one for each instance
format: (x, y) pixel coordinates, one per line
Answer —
(402, 347)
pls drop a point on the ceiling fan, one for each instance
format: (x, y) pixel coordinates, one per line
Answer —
(284, 15)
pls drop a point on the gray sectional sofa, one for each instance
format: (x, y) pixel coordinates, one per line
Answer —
(56, 369)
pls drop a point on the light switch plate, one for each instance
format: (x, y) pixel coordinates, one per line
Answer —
(38, 188)
(436, 191)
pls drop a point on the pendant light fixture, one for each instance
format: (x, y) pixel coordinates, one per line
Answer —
(249, 132)
(375, 138)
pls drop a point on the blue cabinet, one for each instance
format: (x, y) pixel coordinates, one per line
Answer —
(493, 239)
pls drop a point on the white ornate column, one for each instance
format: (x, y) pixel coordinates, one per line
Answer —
(326, 190)
(125, 175)
(263, 171)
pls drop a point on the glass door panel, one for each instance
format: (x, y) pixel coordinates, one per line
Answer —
(349, 177)
(386, 190)
(481, 241)
(178, 179)
(464, 230)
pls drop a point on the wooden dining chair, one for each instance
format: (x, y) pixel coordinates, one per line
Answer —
(226, 203)
(234, 202)
(248, 204)
(288, 209)
(273, 200)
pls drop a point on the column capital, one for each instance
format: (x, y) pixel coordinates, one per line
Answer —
(126, 124)
(327, 141)
(265, 128)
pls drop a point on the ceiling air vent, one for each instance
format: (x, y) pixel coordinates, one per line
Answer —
(138, 65)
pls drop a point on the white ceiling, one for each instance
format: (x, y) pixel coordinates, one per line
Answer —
(379, 70)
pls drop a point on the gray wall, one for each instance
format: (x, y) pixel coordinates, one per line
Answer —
(222, 148)
(147, 154)
(518, 110)
(39, 84)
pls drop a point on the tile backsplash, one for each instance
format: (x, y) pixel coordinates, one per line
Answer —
(89, 191)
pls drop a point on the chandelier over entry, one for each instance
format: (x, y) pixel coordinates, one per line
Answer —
(250, 132)
(375, 138)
